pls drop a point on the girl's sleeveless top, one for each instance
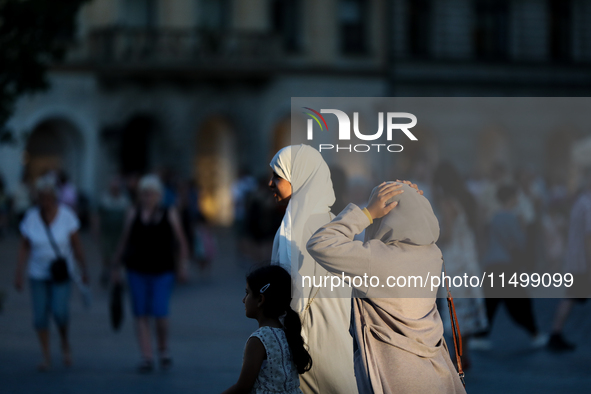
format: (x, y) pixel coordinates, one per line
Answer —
(150, 248)
(278, 373)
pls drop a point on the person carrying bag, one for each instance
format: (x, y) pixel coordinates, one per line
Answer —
(46, 265)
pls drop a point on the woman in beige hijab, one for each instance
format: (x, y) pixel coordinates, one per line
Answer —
(397, 330)
(301, 179)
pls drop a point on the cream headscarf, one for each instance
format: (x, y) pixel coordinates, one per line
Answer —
(312, 193)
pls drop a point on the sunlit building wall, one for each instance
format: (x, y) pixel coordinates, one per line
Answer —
(179, 84)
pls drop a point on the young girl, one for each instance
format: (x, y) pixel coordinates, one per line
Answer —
(274, 354)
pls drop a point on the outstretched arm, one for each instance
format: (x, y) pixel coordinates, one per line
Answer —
(254, 355)
(175, 222)
(333, 245)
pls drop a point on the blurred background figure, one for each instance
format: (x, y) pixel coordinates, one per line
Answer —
(457, 211)
(554, 212)
(577, 261)
(170, 192)
(506, 245)
(263, 217)
(68, 194)
(554, 228)
(526, 209)
(49, 232)
(151, 242)
(204, 246)
(489, 202)
(21, 197)
(242, 189)
(112, 209)
(200, 238)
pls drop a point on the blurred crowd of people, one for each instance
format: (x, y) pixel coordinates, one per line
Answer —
(103, 215)
(151, 225)
(509, 221)
(501, 221)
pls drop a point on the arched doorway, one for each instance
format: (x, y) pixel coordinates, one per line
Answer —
(136, 152)
(54, 145)
(215, 170)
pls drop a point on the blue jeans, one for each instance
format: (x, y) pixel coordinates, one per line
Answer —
(150, 293)
(50, 298)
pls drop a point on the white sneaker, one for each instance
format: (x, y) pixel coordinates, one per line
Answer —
(479, 344)
(539, 341)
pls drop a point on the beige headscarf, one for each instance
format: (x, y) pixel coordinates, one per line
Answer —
(312, 193)
(412, 221)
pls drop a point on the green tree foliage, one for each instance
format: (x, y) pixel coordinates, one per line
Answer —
(34, 34)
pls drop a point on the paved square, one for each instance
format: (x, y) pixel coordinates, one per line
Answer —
(208, 332)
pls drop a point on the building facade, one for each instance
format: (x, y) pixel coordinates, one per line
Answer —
(203, 87)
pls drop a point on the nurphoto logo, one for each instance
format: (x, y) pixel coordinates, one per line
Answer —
(345, 130)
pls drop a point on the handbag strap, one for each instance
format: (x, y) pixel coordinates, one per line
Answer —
(56, 249)
(455, 328)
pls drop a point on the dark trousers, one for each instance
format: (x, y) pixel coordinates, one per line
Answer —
(518, 304)
(520, 310)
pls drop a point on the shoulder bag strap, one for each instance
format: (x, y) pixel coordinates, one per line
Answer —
(455, 328)
(56, 249)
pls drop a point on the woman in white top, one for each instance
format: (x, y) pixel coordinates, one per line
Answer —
(49, 232)
(301, 179)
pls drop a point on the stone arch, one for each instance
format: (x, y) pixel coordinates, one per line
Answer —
(55, 144)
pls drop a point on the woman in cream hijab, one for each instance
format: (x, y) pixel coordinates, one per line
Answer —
(397, 330)
(301, 178)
